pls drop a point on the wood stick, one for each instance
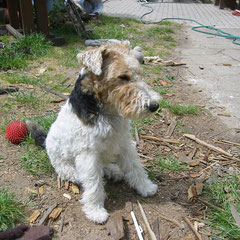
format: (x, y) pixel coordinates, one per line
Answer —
(151, 233)
(197, 234)
(54, 92)
(137, 136)
(171, 128)
(229, 142)
(172, 141)
(156, 229)
(216, 149)
(210, 205)
(141, 155)
(45, 216)
(172, 221)
(61, 224)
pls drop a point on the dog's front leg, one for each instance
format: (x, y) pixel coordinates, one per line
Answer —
(134, 172)
(90, 173)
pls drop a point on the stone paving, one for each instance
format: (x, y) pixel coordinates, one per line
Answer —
(206, 14)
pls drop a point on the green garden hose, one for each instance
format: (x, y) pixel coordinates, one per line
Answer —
(215, 31)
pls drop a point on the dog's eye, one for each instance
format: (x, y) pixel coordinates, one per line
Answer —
(124, 77)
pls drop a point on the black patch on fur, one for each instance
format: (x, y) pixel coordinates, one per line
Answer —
(85, 105)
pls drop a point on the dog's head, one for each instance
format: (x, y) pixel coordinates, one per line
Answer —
(114, 79)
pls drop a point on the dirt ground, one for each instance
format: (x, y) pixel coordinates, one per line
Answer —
(171, 199)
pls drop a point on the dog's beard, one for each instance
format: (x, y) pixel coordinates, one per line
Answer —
(132, 100)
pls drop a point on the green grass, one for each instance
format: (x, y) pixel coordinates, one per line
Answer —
(11, 210)
(16, 54)
(36, 161)
(222, 194)
(179, 109)
(170, 163)
(16, 79)
(27, 98)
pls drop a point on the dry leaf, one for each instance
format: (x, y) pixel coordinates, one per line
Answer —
(55, 213)
(198, 225)
(34, 216)
(75, 189)
(192, 193)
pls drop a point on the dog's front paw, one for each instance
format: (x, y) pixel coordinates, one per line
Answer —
(148, 189)
(97, 215)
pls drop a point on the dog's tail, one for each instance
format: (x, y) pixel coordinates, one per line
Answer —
(37, 133)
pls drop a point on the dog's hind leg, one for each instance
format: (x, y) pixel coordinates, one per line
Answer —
(134, 172)
(112, 171)
(90, 174)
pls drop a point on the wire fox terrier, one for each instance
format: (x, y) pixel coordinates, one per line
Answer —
(91, 135)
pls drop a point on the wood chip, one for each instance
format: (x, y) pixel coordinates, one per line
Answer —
(66, 185)
(41, 190)
(75, 189)
(61, 224)
(115, 226)
(55, 213)
(34, 216)
(224, 114)
(46, 214)
(59, 182)
(31, 190)
(67, 196)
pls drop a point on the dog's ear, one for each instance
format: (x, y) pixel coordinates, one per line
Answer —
(92, 59)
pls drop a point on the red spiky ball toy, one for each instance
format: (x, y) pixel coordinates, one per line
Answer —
(16, 131)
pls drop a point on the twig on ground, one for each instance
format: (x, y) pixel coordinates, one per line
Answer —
(197, 234)
(54, 92)
(136, 136)
(171, 220)
(61, 224)
(216, 149)
(210, 205)
(172, 141)
(171, 128)
(151, 233)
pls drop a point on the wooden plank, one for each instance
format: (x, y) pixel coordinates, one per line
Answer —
(12, 6)
(42, 16)
(27, 16)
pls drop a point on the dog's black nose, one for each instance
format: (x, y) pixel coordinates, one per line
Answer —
(153, 106)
